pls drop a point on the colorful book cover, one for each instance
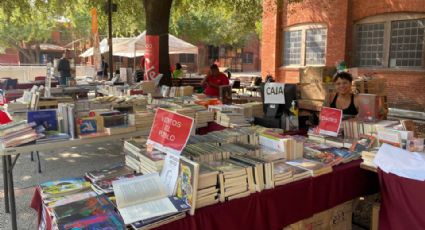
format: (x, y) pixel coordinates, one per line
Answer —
(107, 221)
(325, 157)
(64, 186)
(87, 126)
(76, 211)
(187, 182)
(365, 142)
(105, 185)
(46, 118)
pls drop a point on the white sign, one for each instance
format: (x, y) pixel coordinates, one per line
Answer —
(274, 93)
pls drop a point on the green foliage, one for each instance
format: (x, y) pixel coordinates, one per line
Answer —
(220, 22)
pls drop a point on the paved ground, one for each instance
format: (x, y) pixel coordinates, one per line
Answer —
(61, 163)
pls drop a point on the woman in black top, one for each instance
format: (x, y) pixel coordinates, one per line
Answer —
(344, 98)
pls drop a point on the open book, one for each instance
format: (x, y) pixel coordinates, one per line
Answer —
(145, 197)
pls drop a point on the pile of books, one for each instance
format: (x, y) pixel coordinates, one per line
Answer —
(228, 119)
(257, 171)
(207, 193)
(313, 167)
(282, 173)
(52, 137)
(233, 180)
(252, 109)
(203, 117)
(66, 119)
(102, 179)
(53, 192)
(142, 120)
(368, 157)
(141, 160)
(17, 133)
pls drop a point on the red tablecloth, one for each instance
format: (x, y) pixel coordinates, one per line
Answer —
(278, 207)
(402, 203)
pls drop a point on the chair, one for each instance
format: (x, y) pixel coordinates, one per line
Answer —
(236, 85)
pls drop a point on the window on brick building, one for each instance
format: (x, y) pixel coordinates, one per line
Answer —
(315, 47)
(304, 45)
(370, 44)
(292, 48)
(407, 43)
(394, 41)
(247, 58)
(187, 58)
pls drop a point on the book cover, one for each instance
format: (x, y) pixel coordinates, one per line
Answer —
(64, 186)
(76, 211)
(187, 182)
(87, 125)
(47, 118)
(106, 221)
(105, 185)
(365, 142)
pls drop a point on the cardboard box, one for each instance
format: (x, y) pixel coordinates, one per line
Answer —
(319, 221)
(313, 91)
(374, 86)
(313, 105)
(341, 216)
(316, 74)
(374, 225)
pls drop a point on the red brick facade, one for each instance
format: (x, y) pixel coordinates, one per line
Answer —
(406, 87)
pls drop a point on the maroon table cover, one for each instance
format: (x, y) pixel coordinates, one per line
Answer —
(402, 203)
(278, 207)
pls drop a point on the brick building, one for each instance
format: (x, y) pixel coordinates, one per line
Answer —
(385, 37)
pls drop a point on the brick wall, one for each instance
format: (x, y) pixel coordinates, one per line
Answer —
(253, 46)
(406, 87)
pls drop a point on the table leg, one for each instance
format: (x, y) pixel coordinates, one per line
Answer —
(5, 184)
(11, 192)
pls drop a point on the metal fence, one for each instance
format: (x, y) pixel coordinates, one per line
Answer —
(27, 73)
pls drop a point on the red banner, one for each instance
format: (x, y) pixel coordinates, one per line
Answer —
(170, 131)
(330, 121)
(151, 57)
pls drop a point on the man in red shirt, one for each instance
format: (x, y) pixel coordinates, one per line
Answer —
(213, 81)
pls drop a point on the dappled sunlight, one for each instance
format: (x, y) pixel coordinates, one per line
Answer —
(71, 160)
(73, 155)
(26, 177)
(51, 159)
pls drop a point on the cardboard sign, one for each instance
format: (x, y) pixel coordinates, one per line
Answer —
(151, 57)
(170, 131)
(274, 93)
(330, 121)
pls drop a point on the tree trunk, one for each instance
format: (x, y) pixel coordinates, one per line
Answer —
(157, 22)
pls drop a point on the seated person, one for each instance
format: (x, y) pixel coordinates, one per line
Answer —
(344, 98)
(178, 72)
(213, 81)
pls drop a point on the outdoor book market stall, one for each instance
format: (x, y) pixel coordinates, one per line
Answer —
(209, 165)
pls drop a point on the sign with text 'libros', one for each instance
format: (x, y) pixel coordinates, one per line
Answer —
(330, 121)
(274, 93)
(170, 131)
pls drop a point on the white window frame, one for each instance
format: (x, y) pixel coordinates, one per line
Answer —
(303, 28)
(387, 19)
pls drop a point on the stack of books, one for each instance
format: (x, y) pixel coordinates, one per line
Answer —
(231, 119)
(53, 137)
(368, 157)
(203, 117)
(205, 152)
(141, 160)
(315, 168)
(120, 129)
(233, 180)
(17, 133)
(282, 173)
(66, 119)
(322, 155)
(187, 111)
(256, 172)
(102, 179)
(207, 193)
(90, 213)
(142, 120)
(300, 173)
(252, 109)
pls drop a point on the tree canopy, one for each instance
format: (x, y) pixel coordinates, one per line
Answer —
(30, 22)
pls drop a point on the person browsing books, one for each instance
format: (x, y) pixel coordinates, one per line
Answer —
(213, 81)
(178, 72)
(344, 98)
(64, 68)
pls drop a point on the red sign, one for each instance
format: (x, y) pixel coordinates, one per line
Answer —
(170, 131)
(151, 57)
(330, 121)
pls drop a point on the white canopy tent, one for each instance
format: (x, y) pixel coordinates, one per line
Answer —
(135, 47)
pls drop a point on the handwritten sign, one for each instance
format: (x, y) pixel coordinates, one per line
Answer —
(170, 131)
(274, 93)
(330, 121)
